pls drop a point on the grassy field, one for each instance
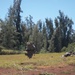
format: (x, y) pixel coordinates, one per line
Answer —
(21, 61)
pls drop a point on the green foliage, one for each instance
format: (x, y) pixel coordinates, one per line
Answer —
(63, 49)
(15, 33)
(62, 35)
(51, 47)
(0, 49)
(10, 52)
(8, 36)
(66, 72)
(14, 19)
(47, 74)
(45, 41)
(37, 38)
(43, 51)
(71, 47)
(22, 47)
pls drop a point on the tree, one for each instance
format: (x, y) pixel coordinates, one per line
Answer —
(45, 41)
(30, 25)
(62, 33)
(50, 29)
(39, 23)
(16, 10)
(23, 32)
(56, 23)
(51, 47)
(73, 36)
(1, 23)
(8, 35)
(58, 40)
(11, 27)
(66, 28)
(37, 38)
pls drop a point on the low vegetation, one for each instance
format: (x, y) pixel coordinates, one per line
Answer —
(23, 62)
(70, 47)
(10, 52)
(47, 74)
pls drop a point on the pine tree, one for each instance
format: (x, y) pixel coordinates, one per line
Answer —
(66, 28)
(45, 41)
(17, 19)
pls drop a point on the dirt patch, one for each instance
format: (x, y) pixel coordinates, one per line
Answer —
(60, 70)
(28, 63)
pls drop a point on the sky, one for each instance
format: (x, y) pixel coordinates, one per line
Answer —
(41, 9)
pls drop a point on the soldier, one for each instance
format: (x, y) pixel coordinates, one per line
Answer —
(30, 49)
(70, 53)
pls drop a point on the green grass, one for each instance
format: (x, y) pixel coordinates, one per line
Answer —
(66, 72)
(9, 52)
(23, 62)
(47, 74)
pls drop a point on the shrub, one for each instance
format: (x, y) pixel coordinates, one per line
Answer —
(71, 47)
(47, 74)
(43, 51)
(1, 47)
(10, 52)
(63, 49)
(22, 47)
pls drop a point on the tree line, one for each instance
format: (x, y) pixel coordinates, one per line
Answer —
(49, 36)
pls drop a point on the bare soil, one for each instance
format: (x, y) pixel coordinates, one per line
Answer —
(56, 70)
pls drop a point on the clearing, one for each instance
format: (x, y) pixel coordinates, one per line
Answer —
(40, 64)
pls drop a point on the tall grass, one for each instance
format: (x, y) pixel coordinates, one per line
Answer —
(23, 62)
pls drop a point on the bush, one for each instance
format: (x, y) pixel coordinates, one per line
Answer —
(43, 51)
(22, 47)
(1, 47)
(71, 47)
(63, 49)
(47, 74)
(10, 52)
